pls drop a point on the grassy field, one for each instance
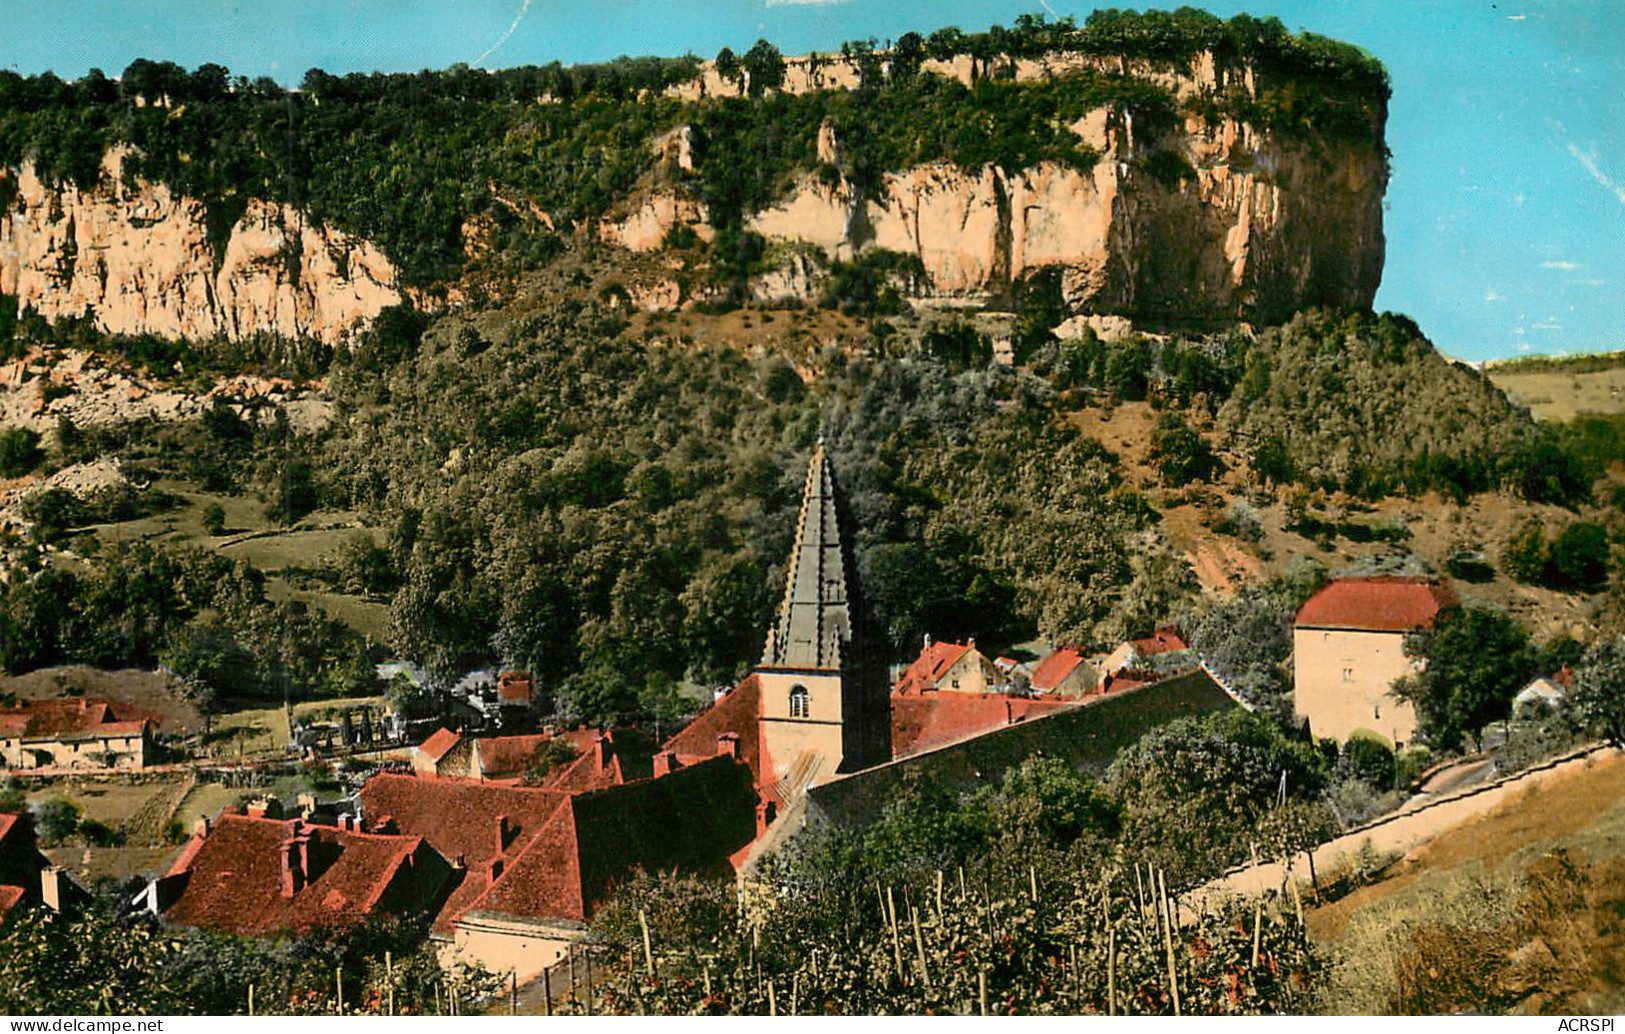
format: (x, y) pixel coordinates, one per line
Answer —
(282, 553)
(1560, 389)
(1517, 911)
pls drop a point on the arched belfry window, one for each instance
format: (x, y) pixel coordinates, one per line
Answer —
(800, 704)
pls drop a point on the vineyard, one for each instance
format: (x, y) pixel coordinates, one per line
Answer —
(1105, 943)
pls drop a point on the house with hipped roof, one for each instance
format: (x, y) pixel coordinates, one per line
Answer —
(75, 733)
(1348, 650)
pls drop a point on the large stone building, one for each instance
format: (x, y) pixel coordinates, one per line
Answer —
(77, 734)
(1348, 649)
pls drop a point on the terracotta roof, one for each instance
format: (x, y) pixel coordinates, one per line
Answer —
(440, 744)
(1164, 640)
(458, 817)
(1377, 604)
(738, 712)
(234, 877)
(565, 852)
(1054, 669)
(508, 755)
(9, 897)
(513, 687)
(932, 663)
(628, 754)
(65, 719)
(919, 723)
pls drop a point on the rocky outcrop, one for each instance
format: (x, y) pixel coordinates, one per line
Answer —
(1205, 218)
(1249, 226)
(136, 258)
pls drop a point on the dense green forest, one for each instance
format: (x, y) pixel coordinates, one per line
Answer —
(406, 159)
(616, 515)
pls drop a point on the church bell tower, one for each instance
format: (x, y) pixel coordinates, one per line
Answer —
(822, 708)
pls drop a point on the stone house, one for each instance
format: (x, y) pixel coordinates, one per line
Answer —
(1348, 650)
(1065, 673)
(948, 667)
(76, 733)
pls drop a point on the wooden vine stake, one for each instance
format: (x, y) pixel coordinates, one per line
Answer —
(1258, 920)
(1111, 970)
(772, 1000)
(708, 981)
(547, 992)
(896, 942)
(939, 895)
(1032, 877)
(648, 944)
(919, 945)
(981, 989)
(338, 983)
(389, 975)
(250, 999)
(513, 992)
(1160, 885)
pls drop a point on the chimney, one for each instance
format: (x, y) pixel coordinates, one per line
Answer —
(293, 867)
(765, 814)
(201, 829)
(306, 804)
(51, 881)
(728, 743)
(927, 641)
(971, 642)
(665, 763)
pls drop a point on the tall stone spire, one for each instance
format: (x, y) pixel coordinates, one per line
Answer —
(813, 631)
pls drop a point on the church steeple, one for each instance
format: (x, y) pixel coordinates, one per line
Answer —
(822, 709)
(813, 631)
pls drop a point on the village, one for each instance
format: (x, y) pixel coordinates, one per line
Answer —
(505, 834)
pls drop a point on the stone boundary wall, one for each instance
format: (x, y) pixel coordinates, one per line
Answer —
(1407, 829)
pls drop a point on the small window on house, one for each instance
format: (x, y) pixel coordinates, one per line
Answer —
(1348, 674)
(800, 703)
(956, 683)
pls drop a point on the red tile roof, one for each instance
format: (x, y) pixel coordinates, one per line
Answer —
(738, 712)
(458, 817)
(1054, 669)
(513, 687)
(9, 897)
(564, 852)
(66, 719)
(1376, 604)
(508, 755)
(440, 744)
(234, 877)
(919, 723)
(932, 663)
(1164, 640)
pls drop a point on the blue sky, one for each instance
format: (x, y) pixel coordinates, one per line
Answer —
(1506, 212)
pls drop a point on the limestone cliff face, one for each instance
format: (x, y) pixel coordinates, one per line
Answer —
(136, 258)
(1198, 220)
(1256, 227)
